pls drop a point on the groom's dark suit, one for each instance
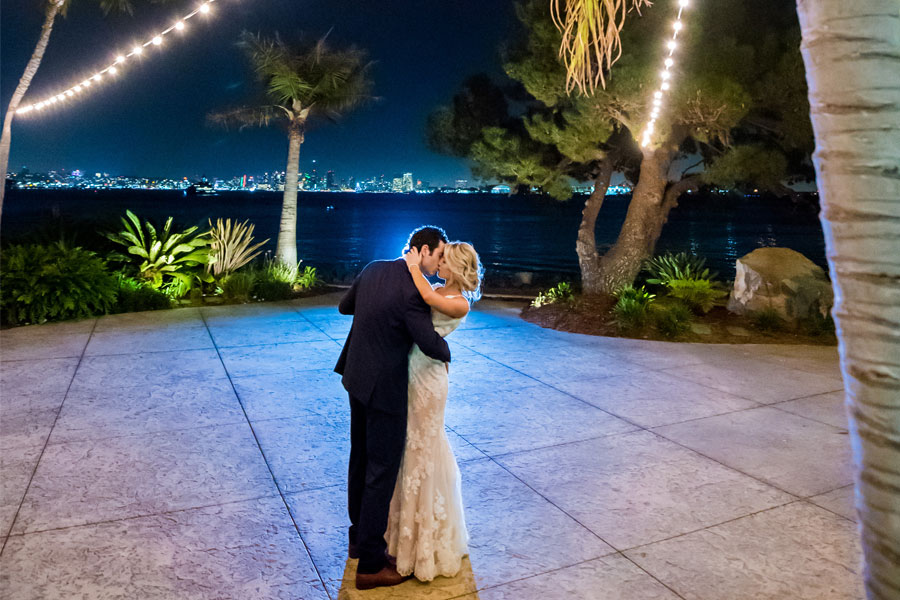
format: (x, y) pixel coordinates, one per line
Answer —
(389, 316)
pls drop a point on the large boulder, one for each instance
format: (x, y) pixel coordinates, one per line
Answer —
(780, 279)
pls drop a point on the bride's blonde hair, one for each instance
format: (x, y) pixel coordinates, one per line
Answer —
(465, 268)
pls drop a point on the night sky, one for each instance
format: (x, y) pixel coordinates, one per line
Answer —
(152, 121)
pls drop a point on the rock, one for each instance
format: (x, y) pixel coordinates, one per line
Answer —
(737, 331)
(701, 329)
(783, 280)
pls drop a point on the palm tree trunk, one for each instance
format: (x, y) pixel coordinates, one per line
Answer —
(852, 54)
(19, 93)
(286, 249)
(586, 245)
(651, 202)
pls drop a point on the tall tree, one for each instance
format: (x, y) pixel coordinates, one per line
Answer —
(723, 112)
(852, 56)
(52, 9)
(301, 83)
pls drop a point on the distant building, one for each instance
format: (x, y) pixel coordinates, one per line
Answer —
(397, 185)
(462, 183)
(407, 182)
(329, 180)
(500, 189)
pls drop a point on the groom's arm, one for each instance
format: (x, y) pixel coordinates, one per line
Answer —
(347, 305)
(418, 322)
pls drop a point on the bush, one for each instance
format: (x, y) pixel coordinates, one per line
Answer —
(632, 309)
(53, 282)
(562, 292)
(308, 279)
(674, 319)
(271, 289)
(134, 295)
(277, 270)
(700, 295)
(817, 324)
(767, 319)
(669, 267)
(239, 286)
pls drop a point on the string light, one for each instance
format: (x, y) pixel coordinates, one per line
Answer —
(113, 68)
(665, 77)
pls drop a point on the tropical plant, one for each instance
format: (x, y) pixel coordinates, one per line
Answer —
(673, 320)
(300, 83)
(239, 286)
(668, 267)
(53, 282)
(229, 247)
(561, 292)
(136, 295)
(52, 9)
(700, 295)
(632, 308)
(308, 279)
(164, 254)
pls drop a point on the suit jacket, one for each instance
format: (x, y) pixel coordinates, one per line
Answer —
(389, 316)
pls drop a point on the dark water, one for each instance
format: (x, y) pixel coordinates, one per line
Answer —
(511, 234)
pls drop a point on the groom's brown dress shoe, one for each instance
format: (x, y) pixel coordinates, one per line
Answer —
(387, 576)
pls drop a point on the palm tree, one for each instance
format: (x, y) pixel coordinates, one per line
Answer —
(52, 9)
(300, 83)
(852, 53)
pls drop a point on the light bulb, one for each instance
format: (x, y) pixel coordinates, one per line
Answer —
(179, 25)
(77, 88)
(70, 93)
(98, 77)
(138, 50)
(657, 95)
(120, 59)
(678, 25)
(204, 8)
(683, 3)
(86, 83)
(669, 62)
(665, 74)
(157, 40)
(665, 85)
(113, 70)
(672, 45)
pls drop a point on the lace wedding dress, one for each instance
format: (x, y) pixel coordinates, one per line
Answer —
(426, 528)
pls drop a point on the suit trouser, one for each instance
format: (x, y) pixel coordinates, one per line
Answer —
(376, 447)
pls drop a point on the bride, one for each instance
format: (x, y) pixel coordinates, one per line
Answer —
(426, 529)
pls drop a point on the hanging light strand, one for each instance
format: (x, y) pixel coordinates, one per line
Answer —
(665, 76)
(113, 69)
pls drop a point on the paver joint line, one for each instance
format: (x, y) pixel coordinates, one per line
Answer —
(47, 441)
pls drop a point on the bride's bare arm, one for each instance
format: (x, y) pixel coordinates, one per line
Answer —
(452, 307)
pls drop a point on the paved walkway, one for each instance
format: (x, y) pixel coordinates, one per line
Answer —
(200, 454)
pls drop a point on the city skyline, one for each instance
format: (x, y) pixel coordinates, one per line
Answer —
(152, 120)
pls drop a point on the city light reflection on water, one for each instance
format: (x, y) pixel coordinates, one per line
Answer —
(340, 233)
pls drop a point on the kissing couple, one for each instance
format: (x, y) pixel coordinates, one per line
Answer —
(404, 490)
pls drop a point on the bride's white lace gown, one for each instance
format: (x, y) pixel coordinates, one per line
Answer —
(426, 528)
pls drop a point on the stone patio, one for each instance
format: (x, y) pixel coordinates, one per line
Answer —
(200, 453)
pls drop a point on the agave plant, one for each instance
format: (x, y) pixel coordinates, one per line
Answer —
(682, 266)
(230, 247)
(165, 254)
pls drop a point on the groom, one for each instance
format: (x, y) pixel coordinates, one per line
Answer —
(389, 316)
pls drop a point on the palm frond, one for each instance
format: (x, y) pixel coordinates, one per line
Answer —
(242, 117)
(590, 38)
